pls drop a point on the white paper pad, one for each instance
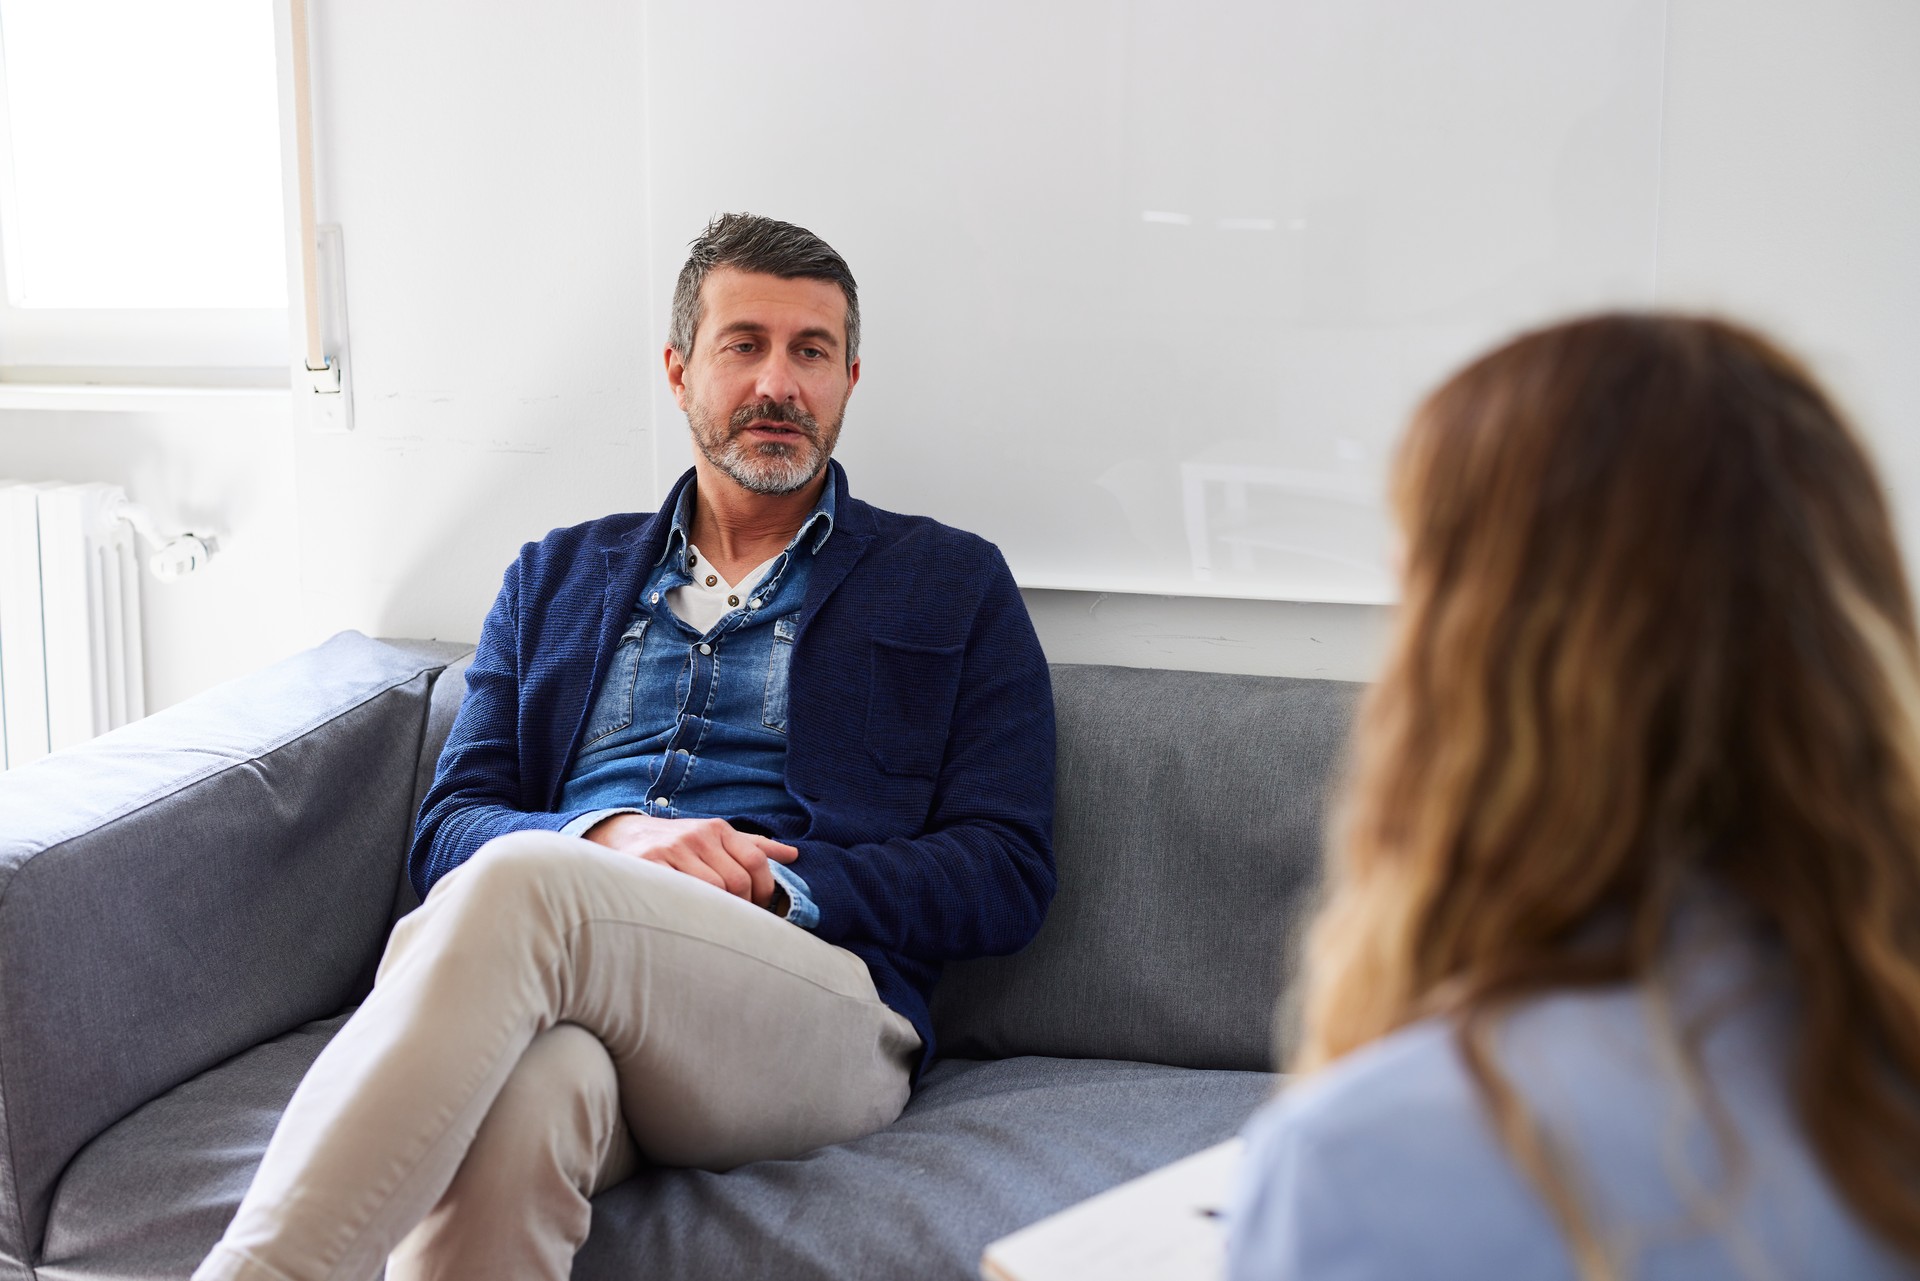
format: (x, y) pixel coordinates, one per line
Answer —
(1163, 1226)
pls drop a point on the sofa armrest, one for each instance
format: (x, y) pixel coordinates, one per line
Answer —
(182, 889)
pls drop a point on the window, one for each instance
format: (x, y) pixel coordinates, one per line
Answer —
(140, 186)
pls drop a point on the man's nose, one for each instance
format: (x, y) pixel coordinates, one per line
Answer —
(777, 381)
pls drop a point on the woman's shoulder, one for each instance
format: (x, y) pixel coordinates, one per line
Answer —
(1415, 1071)
(1605, 1054)
(1381, 1166)
(1387, 1164)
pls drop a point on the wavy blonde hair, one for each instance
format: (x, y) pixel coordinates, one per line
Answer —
(1655, 630)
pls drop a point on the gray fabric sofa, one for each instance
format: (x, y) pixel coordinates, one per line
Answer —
(189, 907)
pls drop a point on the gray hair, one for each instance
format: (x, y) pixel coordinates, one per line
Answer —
(748, 242)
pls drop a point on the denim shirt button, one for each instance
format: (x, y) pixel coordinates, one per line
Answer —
(654, 599)
(705, 648)
(754, 603)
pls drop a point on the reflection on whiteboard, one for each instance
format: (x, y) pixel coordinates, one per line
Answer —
(1250, 521)
(1149, 287)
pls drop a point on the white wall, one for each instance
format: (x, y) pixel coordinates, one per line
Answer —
(488, 164)
(1211, 634)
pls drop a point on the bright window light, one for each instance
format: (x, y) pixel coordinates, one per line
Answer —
(145, 150)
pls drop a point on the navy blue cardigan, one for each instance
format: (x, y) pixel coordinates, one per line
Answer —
(920, 740)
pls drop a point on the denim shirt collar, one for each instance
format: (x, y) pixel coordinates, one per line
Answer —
(815, 528)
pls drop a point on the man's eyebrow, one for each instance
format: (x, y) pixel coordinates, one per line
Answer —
(819, 335)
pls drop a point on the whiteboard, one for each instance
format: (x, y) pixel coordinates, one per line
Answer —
(1150, 288)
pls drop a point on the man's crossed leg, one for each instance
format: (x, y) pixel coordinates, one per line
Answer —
(551, 998)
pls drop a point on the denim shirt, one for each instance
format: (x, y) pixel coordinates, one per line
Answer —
(692, 724)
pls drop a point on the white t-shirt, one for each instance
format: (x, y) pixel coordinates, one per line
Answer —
(709, 597)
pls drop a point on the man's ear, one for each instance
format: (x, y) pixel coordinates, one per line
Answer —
(853, 376)
(676, 375)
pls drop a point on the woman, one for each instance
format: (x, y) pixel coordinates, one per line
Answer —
(1619, 974)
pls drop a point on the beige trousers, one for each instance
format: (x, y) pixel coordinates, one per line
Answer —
(553, 1014)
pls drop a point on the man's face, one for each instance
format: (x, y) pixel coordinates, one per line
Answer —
(767, 382)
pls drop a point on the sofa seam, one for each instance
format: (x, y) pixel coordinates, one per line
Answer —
(29, 1250)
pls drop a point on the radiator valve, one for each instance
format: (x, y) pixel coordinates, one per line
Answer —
(175, 555)
(180, 556)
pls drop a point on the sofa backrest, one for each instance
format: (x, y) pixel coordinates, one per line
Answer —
(1187, 830)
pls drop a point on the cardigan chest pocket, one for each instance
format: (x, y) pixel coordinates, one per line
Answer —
(613, 704)
(910, 698)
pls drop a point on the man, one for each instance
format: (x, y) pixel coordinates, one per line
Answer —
(809, 747)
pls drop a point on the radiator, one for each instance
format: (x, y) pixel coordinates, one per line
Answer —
(70, 663)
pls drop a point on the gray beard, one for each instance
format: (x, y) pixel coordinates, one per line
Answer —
(770, 467)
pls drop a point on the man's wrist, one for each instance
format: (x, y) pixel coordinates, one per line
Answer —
(583, 825)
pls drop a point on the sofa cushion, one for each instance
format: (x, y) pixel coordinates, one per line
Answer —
(1188, 837)
(150, 1196)
(983, 1149)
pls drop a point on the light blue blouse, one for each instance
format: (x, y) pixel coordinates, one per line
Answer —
(1385, 1166)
